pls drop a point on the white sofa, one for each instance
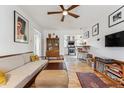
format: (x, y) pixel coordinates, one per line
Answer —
(20, 70)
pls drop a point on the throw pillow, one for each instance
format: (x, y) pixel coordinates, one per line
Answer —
(3, 79)
(33, 58)
(37, 58)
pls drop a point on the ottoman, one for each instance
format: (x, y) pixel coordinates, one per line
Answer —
(52, 79)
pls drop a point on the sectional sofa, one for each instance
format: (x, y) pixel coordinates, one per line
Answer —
(19, 69)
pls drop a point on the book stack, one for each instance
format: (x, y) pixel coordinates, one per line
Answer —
(114, 71)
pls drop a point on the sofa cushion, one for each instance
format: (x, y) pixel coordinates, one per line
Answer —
(10, 63)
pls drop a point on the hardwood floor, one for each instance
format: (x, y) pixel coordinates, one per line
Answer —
(74, 65)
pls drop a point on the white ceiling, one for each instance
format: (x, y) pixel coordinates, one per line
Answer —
(39, 15)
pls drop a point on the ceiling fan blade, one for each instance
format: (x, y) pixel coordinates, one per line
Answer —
(62, 7)
(58, 12)
(62, 18)
(73, 15)
(72, 7)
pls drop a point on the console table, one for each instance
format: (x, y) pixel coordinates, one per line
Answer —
(111, 69)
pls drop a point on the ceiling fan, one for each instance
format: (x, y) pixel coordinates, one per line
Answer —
(65, 12)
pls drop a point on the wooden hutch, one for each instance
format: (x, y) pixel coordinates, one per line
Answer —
(52, 46)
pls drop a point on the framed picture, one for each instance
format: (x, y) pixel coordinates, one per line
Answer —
(86, 35)
(95, 29)
(21, 28)
(116, 17)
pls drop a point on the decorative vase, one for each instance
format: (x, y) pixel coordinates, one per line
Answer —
(56, 36)
(53, 35)
(49, 35)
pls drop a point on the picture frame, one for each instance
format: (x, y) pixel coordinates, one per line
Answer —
(21, 28)
(86, 35)
(116, 17)
(95, 29)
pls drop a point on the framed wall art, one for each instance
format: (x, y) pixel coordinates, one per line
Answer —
(116, 17)
(21, 28)
(95, 29)
(86, 35)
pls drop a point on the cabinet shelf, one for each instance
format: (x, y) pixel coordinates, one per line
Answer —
(114, 73)
(111, 66)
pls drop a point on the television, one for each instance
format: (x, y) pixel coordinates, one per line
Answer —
(71, 43)
(115, 40)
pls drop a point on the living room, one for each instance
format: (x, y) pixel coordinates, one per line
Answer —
(67, 43)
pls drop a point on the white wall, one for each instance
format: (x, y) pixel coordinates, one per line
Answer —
(7, 44)
(99, 14)
(60, 34)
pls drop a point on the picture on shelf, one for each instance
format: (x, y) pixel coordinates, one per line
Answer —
(21, 28)
(116, 17)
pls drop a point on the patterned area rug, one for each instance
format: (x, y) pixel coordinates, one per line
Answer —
(90, 80)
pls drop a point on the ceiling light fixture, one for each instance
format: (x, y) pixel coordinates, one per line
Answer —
(65, 13)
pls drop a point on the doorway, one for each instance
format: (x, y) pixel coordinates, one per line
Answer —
(37, 43)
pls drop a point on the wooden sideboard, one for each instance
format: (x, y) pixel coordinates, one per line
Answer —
(115, 70)
(111, 69)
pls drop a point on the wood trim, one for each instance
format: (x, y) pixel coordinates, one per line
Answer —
(118, 61)
(123, 70)
(114, 60)
(15, 54)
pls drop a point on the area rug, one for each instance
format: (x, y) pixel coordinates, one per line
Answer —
(90, 80)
